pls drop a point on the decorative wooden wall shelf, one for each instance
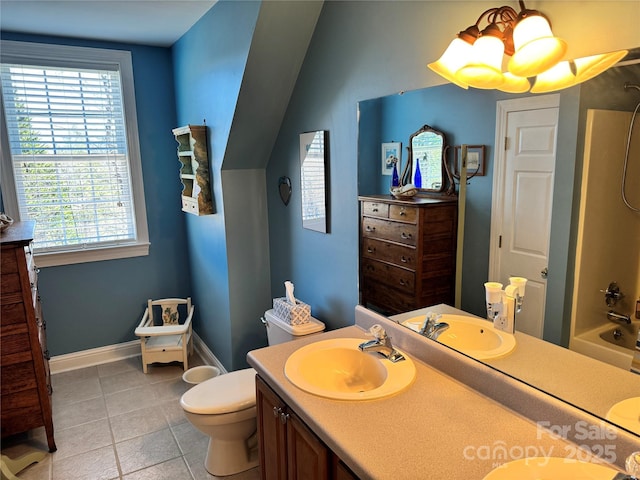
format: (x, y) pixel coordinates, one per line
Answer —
(194, 169)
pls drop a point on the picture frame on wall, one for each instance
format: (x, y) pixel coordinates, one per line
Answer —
(391, 151)
(475, 160)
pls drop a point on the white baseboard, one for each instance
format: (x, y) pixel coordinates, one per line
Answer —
(206, 354)
(94, 356)
(120, 351)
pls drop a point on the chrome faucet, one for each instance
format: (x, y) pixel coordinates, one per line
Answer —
(382, 345)
(431, 328)
(612, 294)
(618, 317)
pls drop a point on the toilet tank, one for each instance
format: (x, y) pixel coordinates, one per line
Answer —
(279, 331)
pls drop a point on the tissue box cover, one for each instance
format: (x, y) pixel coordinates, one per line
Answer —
(292, 314)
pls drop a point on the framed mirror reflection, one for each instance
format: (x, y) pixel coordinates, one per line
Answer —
(426, 151)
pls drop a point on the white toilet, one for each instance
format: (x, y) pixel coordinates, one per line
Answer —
(224, 407)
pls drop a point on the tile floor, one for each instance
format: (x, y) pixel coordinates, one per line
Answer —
(112, 421)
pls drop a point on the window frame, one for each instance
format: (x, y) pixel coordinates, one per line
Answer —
(92, 58)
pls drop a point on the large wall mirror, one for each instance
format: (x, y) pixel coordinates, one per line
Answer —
(469, 117)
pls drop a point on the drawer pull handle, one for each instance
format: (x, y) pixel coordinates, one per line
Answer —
(374, 209)
(403, 259)
(405, 236)
(402, 282)
(369, 228)
(371, 250)
(402, 213)
(277, 411)
(283, 418)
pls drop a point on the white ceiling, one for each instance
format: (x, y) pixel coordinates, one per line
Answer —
(147, 22)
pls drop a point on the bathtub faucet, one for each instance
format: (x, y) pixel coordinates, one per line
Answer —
(618, 317)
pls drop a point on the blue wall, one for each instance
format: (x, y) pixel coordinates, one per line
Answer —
(95, 304)
(209, 63)
(349, 61)
(360, 50)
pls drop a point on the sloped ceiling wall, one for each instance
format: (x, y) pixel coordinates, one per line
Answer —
(278, 48)
(236, 68)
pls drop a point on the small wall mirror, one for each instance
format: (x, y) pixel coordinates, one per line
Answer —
(426, 157)
(313, 170)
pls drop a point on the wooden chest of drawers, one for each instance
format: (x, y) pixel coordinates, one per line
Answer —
(24, 367)
(407, 252)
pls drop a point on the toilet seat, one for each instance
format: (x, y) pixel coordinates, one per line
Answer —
(226, 393)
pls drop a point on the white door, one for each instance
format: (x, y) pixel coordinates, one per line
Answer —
(522, 203)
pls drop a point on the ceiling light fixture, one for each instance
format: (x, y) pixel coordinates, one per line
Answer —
(524, 43)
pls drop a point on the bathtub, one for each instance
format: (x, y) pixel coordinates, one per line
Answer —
(600, 343)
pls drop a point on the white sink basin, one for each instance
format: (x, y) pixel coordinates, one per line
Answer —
(337, 369)
(626, 414)
(552, 468)
(472, 336)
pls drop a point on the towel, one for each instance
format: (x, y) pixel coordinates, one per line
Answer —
(635, 361)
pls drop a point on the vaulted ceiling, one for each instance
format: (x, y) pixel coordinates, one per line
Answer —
(147, 22)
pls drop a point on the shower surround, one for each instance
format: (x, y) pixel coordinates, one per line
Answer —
(608, 246)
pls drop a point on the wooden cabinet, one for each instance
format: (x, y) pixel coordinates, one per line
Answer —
(194, 169)
(288, 448)
(24, 359)
(407, 252)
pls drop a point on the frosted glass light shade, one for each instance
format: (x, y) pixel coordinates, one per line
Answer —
(589, 67)
(484, 68)
(493, 292)
(519, 283)
(455, 56)
(514, 84)
(556, 78)
(536, 49)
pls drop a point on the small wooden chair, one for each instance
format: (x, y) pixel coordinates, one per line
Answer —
(169, 341)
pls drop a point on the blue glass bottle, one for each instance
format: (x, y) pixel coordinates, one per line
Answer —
(395, 179)
(417, 179)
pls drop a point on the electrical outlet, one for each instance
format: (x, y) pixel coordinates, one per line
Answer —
(504, 323)
(500, 323)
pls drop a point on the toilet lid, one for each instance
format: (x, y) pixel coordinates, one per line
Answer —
(227, 393)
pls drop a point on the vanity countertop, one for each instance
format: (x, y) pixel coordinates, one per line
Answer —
(558, 370)
(437, 428)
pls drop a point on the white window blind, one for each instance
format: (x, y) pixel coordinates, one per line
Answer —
(68, 139)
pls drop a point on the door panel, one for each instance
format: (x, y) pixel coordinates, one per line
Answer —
(531, 210)
(527, 199)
